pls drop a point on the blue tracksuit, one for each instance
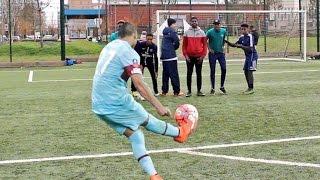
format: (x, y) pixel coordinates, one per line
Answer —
(170, 43)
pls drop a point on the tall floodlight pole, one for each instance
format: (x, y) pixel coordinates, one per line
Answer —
(107, 19)
(10, 29)
(99, 16)
(190, 8)
(300, 29)
(318, 36)
(115, 16)
(62, 31)
(149, 4)
(265, 26)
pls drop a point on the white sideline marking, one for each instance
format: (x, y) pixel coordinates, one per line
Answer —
(157, 151)
(270, 72)
(289, 163)
(30, 76)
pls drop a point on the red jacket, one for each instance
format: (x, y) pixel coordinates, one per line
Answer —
(194, 43)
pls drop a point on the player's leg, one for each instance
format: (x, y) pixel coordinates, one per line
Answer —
(157, 126)
(139, 150)
(248, 69)
(136, 138)
(165, 78)
(212, 62)
(153, 77)
(223, 67)
(199, 77)
(190, 65)
(174, 77)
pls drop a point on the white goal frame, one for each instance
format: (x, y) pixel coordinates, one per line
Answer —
(303, 12)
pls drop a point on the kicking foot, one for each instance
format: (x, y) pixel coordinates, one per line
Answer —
(184, 131)
(156, 177)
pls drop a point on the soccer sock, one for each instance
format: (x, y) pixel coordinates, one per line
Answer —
(161, 127)
(223, 77)
(140, 152)
(250, 79)
(246, 73)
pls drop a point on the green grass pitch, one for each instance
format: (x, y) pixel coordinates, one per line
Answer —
(51, 117)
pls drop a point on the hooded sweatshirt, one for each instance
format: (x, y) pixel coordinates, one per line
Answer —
(170, 43)
(194, 43)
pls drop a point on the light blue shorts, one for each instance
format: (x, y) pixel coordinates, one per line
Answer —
(126, 118)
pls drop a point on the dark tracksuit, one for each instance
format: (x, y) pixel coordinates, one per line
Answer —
(148, 59)
(170, 43)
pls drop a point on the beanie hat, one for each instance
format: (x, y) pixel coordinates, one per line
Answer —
(171, 21)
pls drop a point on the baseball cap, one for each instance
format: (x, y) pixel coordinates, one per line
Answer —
(216, 21)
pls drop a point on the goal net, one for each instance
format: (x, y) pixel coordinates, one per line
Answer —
(283, 34)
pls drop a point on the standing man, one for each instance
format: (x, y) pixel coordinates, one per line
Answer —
(255, 35)
(149, 59)
(114, 105)
(246, 42)
(114, 35)
(170, 43)
(194, 49)
(216, 37)
(147, 51)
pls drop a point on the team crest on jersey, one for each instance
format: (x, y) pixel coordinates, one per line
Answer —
(135, 61)
(151, 50)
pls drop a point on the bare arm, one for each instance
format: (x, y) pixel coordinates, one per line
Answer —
(145, 92)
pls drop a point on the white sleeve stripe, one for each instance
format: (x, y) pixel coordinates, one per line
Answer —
(251, 40)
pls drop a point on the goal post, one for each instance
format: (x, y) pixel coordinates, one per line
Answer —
(283, 39)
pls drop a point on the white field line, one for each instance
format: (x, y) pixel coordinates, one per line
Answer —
(266, 72)
(156, 151)
(205, 64)
(30, 76)
(288, 163)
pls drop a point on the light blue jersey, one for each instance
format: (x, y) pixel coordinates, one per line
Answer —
(110, 96)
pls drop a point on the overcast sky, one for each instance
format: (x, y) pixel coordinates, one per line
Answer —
(52, 10)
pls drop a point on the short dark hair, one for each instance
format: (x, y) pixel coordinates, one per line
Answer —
(150, 34)
(193, 17)
(171, 21)
(244, 25)
(251, 27)
(127, 29)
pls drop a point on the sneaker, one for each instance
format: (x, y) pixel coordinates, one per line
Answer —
(135, 93)
(248, 91)
(156, 177)
(156, 94)
(163, 94)
(178, 94)
(188, 94)
(184, 132)
(212, 92)
(223, 90)
(140, 97)
(199, 93)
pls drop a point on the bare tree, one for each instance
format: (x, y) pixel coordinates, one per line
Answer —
(25, 20)
(39, 6)
(135, 12)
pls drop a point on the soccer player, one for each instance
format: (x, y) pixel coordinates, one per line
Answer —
(114, 35)
(246, 42)
(216, 37)
(148, 59)
(113, 104)
(194, 49)
(255, 35)
(170, 43)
